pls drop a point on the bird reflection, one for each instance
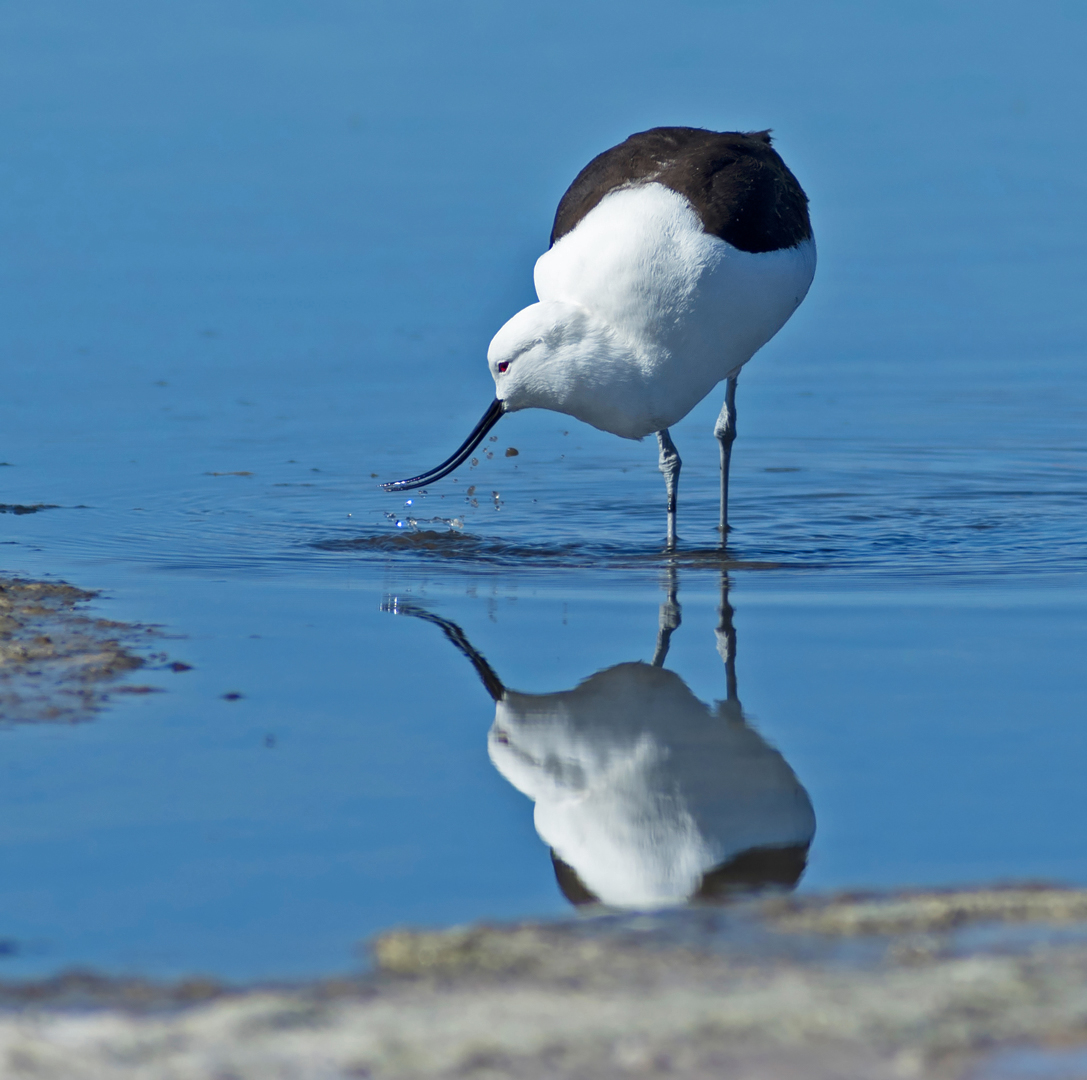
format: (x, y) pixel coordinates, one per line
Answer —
(646, 796)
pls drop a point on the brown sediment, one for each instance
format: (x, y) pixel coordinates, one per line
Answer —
(851, 915)
(25, 508)
(58, 664)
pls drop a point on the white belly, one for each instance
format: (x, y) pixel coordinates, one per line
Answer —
(691, 308)
(640, 787)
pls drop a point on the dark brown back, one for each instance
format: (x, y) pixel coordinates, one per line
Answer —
(736, 182)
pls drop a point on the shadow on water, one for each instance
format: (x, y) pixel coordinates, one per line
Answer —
(454, 546)
(646, 796)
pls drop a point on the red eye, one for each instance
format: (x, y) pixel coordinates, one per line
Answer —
(503, 364)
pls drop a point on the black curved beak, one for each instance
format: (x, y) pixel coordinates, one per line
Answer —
(490, 418)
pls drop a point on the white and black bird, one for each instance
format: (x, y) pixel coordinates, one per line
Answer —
(646, 796)
(674, 257)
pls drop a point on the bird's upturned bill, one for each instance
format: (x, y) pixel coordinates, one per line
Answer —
(490, 418)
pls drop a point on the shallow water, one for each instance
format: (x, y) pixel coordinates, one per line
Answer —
(251, 263)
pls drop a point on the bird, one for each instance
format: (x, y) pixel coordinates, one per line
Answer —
(646, 796)
(674, 257)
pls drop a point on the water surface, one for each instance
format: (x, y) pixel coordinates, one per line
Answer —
(251, 261)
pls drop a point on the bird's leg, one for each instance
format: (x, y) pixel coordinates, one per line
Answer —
(670, 466)
(726, 638)
(670, 617)
(725, 430)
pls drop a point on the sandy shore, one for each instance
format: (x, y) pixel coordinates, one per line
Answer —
(979, 983)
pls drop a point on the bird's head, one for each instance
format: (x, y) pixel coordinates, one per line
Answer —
(553, 355)
(559, 356)
(544, 355)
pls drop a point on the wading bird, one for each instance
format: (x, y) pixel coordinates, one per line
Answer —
(674, 257)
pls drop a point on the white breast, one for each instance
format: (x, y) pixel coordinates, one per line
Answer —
(691, 308)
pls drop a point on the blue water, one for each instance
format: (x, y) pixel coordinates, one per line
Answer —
(275, 240)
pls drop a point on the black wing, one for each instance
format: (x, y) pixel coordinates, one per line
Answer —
(736, 182)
